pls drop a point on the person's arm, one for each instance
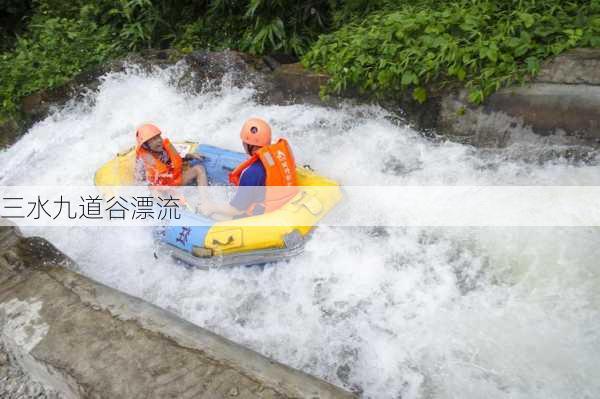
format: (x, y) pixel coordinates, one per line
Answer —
(140, 173)
(193, 156)
(250, 190)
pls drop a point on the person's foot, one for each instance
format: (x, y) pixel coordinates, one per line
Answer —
(202, 208)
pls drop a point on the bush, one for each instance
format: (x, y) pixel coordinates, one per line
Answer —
(424, 45)
(12, 14)
(284, 26)
(382, 47)
(138, 23)
(258, 26)
(211, 34)
(55, 51)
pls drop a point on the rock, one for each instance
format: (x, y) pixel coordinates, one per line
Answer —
(84, 339)
(11, 258)
(38, 251)
(577, 66)
(208, 68)
(423, 117)
(549, 107)
(283, 58)
(9, 131)
(570, 112)
(462, 122)
(9, 234)
(275, 82)
(16, 383)
(294, 79)
(38, 105)
(563, 102)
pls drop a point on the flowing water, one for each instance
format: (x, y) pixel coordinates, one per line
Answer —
(387, 312)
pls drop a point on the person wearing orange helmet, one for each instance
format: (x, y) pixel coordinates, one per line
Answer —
(159, 164)
(266, 180)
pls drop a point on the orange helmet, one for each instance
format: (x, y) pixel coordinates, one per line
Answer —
(257, 132)
(145, 132)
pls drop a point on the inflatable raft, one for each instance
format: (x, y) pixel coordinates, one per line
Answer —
(271, 237)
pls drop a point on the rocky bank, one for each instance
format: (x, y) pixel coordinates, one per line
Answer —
(72, 335)
(562, 102)
(16, 383)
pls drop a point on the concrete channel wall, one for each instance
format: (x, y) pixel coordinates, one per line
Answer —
(563, 99)
(86, 340)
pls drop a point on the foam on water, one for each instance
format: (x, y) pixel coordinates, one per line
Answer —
(386, 312)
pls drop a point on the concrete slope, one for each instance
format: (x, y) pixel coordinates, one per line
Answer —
(84, 339)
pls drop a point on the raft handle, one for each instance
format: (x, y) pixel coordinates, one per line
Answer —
(311, 203)
(217, 242)
(297, 201)
(201, 252)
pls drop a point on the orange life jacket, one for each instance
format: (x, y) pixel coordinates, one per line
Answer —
(281, 182)
(159, 173)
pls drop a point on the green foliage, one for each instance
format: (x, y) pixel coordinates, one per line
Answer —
(55, 51)
(215, 32)
(12, 14)
(138, 20)
(287, 26)
(383, 47)
(355, 10)
(481, 44)
(139, 24)
(66, 37)
(258, 26)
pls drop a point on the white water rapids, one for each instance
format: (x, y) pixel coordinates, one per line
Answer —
(385, 312)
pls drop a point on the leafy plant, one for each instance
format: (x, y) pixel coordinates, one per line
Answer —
(211, 33)
(12, 14)
(56, 50)
(287, 26)
(259, 26)
(384, 47)
(481, 44)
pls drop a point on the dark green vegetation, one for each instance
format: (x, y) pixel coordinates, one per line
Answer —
(481, 44)
(381, 47)
(47, 42)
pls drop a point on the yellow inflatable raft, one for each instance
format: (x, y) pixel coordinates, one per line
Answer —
(252, 240)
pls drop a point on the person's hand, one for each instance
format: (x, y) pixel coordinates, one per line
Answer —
(191, 156)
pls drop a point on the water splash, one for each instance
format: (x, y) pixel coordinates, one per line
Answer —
(387, 313)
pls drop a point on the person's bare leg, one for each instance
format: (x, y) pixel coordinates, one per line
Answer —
(197, 173)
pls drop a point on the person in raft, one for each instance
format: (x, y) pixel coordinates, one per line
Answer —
(159, 164)
(266, 180)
